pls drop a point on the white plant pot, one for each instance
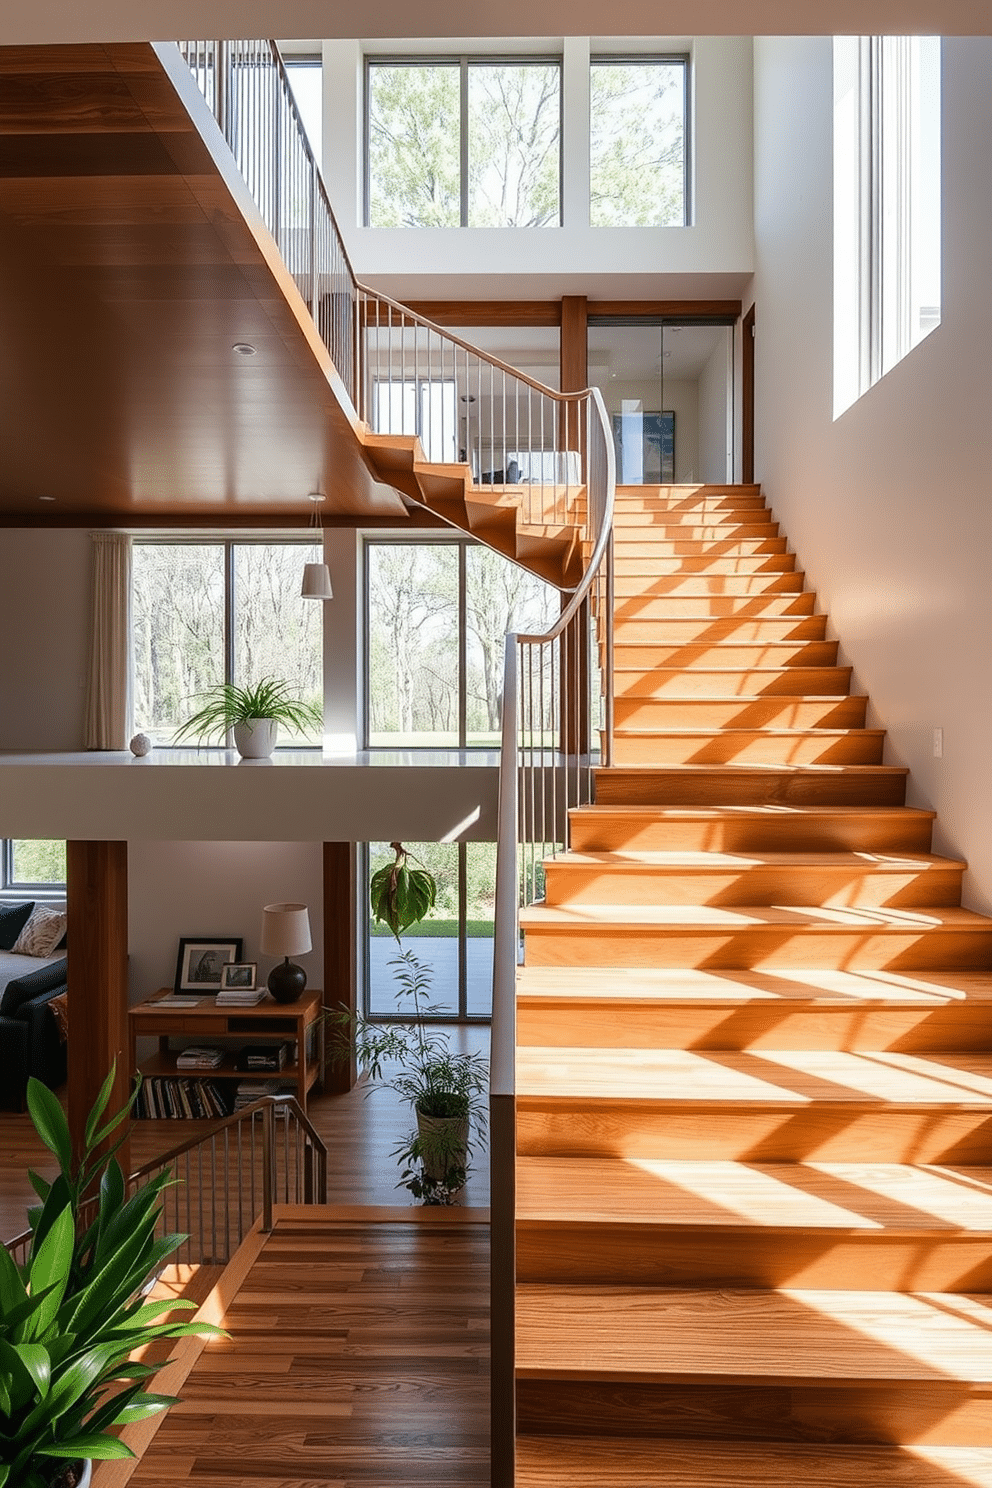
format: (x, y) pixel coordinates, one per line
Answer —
(256, 737)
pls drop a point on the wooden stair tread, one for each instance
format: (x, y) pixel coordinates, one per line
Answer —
(749, 1335)
(756, 812)
(642, 1462)
(719, 862)
(720, 918)
(884, 1198)
(777, 1078)
(631, 731)
(636, 985)
(755, 767)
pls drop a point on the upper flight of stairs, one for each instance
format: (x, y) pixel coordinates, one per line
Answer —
(504, 517)
(754, 1066)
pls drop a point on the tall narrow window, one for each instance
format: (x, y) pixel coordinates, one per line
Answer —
(463, 142)
(887, 205)
(638, 156)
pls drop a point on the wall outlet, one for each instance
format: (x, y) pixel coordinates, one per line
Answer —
(938, 743)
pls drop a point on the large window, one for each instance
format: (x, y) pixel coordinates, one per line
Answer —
(463, 142)
(638, 156)
(886, 205)
(437, 615)
(32, 863)
(216, 611)
(455, 941)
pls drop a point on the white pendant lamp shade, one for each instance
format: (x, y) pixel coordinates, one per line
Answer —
(285, 930)
(316, 581)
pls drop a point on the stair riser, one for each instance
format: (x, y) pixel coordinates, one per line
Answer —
(702, 713)
(815, 681)
(741, 630)
(846, 949)
(859, 747)
(733, 1132)
(749, 1256)
(714, 606)
(658, 567)
(662, 546)
(571, 884)
(629, 526)
(645, 787)
(762, 1026)
(935, 1413)
(850, 832)
(641, 586)
(725, 655)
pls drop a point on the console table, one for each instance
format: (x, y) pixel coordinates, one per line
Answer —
(200, 1021)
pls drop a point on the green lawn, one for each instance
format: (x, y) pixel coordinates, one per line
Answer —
(440, 930)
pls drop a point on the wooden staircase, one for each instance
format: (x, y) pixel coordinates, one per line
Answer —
(754, 1078)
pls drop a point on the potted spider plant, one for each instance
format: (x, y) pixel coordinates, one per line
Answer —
(446, 1089)
(253, 714)
(73, 1314)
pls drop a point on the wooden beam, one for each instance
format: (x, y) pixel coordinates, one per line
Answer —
(489, 312)
(717, 310)
(96, 893)
(340, 982)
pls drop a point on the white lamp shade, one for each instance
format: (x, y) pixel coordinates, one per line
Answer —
(316, 581)
(285, 930)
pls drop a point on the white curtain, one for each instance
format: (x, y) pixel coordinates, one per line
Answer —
(108, 702)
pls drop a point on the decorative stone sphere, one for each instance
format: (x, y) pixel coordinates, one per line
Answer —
(141, 745)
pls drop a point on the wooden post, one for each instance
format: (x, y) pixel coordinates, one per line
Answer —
(96, 894)
(574, 362)
(747, 397)
(340, 981)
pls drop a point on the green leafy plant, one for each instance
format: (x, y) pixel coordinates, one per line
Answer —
(227, 705)
(400, 896)
(73, 1314)
(440, 1084)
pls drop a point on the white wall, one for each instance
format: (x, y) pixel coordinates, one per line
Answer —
(888, 508)
(716, 413)
(458, 262)
(45, 578)
(216, 888)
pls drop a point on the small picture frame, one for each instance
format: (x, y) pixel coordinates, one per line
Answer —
(238, 974)
(201, 962)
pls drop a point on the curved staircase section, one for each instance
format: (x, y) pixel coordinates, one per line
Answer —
(754, 1065)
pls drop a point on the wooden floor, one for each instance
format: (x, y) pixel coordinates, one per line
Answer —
(358, 1357)
(754, 1066)
(361, 1129)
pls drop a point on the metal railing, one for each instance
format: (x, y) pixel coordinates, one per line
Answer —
(224, 1180)
(403, 374)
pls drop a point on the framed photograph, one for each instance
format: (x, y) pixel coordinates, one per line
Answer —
(201, 962)
(240, 974)
(645, 444)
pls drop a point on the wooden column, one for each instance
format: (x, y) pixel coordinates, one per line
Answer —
(573, 357)
(96, 893)
(340, 980)
(574, 354)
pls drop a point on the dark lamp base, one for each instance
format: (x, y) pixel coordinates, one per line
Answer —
(287, 981)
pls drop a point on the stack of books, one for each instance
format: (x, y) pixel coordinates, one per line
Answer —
(262, 1057)
(241, 996)
(249, 1091)
(200, 1057)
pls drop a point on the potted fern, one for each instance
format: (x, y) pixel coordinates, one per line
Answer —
(72, 1315)
(446, 1089)
(253, 714)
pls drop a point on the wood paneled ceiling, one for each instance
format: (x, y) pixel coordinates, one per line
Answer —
(127, 274)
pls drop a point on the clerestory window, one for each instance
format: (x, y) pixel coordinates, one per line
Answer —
(638, 156)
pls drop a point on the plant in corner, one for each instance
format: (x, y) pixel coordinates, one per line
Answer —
(73, 1314)
(446, 1089)
(253, 714)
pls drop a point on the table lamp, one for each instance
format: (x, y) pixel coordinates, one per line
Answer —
(286, 932)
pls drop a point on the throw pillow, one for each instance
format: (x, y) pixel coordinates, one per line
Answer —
(42, 932)
(13, 918)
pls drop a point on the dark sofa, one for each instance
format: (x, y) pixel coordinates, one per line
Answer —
(30, 1042)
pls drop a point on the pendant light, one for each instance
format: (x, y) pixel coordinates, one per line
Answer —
(316, 576)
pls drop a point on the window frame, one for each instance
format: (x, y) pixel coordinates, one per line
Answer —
(228, 543)
(463, 61)
(642, 59)
(21, 888)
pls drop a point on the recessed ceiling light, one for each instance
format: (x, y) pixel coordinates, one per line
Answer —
(46, 498)
(242, 348)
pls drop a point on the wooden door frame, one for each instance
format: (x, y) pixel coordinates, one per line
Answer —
(747, 397)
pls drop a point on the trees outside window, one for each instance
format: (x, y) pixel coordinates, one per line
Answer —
(438, 613)
(32, 863)
(637, 111)
(219, 611)
(463, 142)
